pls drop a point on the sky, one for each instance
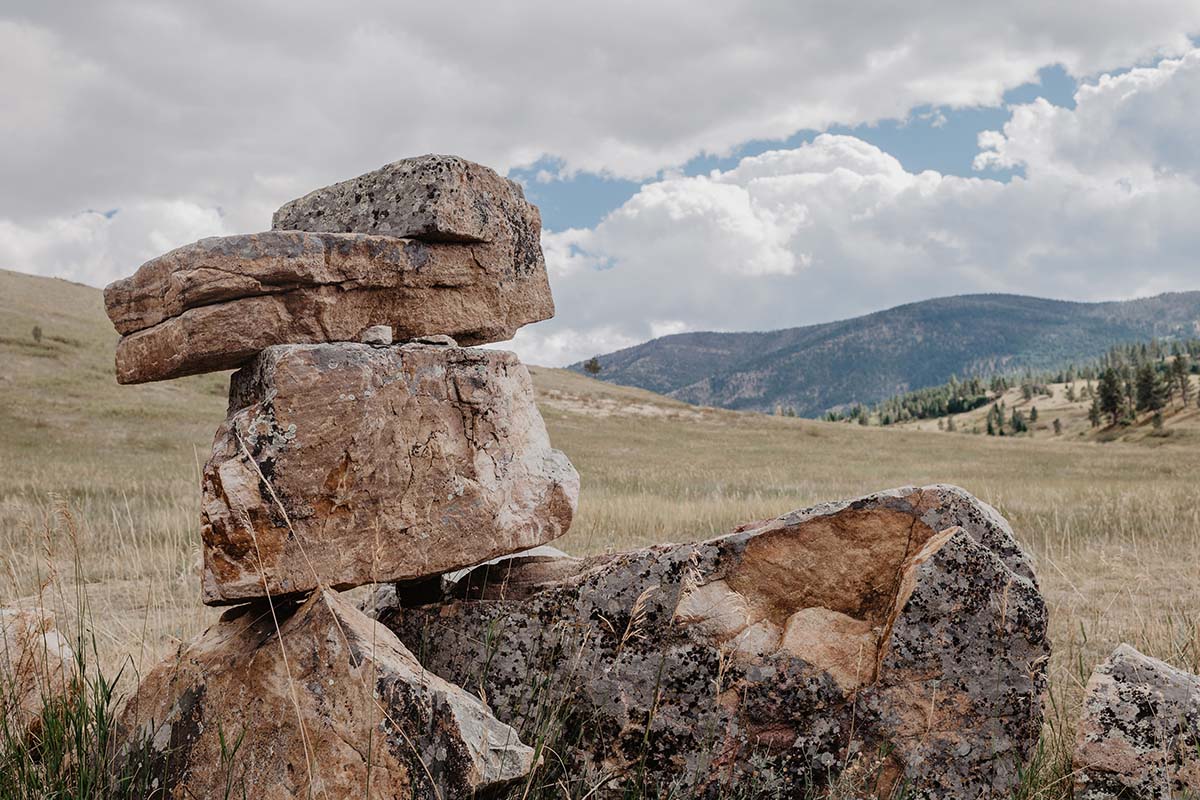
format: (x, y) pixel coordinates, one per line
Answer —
(720, 166)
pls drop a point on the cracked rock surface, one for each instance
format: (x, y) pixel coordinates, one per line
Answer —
(326, 705)
(903, 630)
(1139, 736)
(216, 303)
(347, 464)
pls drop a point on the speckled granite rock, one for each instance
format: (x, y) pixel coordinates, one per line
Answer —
(347, 464)
(215, 304)
(903, 630)
(37, 665)
(1139, 737)
(434, 197)
(313, 703)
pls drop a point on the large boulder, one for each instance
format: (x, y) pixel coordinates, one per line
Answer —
(433, 197)
(314, 700)
(1139, 736)
(347, 464)
(894, 640)
(37, 666)
(218, 302)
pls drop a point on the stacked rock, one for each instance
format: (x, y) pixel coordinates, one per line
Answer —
(348, 458)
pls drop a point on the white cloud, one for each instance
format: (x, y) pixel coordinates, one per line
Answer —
(97, 247)
(197, 118)
(837, 227)
(221, 101)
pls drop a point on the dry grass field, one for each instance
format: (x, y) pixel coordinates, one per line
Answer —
(101, 481)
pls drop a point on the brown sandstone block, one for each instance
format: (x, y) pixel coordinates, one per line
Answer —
(349, 464)
(214, 304)
(327, 704)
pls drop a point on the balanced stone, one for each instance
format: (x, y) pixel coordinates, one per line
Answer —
(346, 464)
(1139, 735)
(218, 302)
(316, 700)
(436, 198)
(894, 640)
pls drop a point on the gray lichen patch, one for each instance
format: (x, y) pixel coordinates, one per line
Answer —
(790, 648)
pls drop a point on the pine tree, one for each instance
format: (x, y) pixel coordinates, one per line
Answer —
(1152, 391)
(1111, 395)
(1033, 415)
(1057, 426)
(1094, 414)
(1179, 376)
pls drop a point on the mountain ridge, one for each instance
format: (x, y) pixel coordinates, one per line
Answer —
(816, 368)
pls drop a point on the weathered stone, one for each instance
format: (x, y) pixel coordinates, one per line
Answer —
(345, 464)
(218, 302)
(37, 666)
(439, 340)
(1139, 735)
(315, 700)
(903, 629)
(377, 335)
(435, 198)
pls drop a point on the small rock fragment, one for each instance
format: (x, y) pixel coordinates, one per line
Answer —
(1139, 736)
(37, 666)
(437, 340)
(377, 335)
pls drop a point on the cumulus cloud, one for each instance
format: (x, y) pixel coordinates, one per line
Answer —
(97, 247)
(836, 227)
(244, 105)
(197, 118)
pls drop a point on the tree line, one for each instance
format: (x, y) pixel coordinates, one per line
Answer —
(1127, 381)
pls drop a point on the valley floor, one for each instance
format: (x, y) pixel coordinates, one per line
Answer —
(102, 482)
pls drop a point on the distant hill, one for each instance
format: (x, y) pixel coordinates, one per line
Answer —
(817, 368)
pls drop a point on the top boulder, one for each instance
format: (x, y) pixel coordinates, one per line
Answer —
(433, 198)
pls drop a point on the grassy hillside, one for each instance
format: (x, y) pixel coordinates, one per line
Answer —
(111, 474)
(867, 359)
(1180, 424)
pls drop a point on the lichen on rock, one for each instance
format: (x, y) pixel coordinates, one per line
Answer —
(903, 628)
(1139, 736)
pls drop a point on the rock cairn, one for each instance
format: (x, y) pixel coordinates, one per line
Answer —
(362, 444)
(896, 642)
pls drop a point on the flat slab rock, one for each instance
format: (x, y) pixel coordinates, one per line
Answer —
(897, 639)
(347, 464)
(327, 704)
(216, 303)
(431, 197)
(1139, 736)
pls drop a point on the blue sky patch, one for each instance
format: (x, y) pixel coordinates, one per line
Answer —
(941, 139)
